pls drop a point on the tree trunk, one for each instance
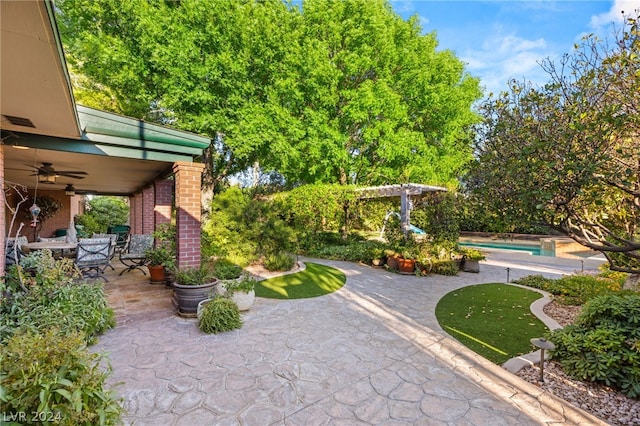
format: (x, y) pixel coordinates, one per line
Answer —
(632, 283)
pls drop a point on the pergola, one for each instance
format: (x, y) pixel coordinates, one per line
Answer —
(404, 191)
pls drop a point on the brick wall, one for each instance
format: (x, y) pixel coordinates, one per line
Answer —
(164, 197)
(188, 178)
(148, 205)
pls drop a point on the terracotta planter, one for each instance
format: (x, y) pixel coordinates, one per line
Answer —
(407, 266)
(187, 297)
(392, 262)
(156, 274)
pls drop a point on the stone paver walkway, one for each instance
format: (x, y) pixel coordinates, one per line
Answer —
(370, 353)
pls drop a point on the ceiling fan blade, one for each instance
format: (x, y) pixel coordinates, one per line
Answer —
(70, 175)
(73, 172)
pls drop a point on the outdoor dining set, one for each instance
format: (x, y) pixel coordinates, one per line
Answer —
(91, 255)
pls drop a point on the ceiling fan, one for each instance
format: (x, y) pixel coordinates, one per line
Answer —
(47, 174)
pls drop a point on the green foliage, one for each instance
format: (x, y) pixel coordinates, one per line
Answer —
(52, 373)
(46, 271)
(220, 315)
(192, 275)
(565, 155)
(102, 212)
(573, 289)
(224, 269)
(77, 307)
(472, 254)
(444, 267)
(50, 297)
(279, 262)
(334, 92)
(245, 283)
(604, 343)
(437, 214)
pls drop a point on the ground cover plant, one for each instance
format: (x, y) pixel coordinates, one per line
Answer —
(316, 280)
(493, 320)
(47, 317)
(603, 345)
(576, 289)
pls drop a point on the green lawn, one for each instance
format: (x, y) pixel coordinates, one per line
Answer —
(316, 280)
(493, 320)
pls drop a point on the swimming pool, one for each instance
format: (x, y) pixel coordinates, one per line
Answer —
(530, 248)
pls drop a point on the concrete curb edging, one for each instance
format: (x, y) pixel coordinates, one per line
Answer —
(537, 308)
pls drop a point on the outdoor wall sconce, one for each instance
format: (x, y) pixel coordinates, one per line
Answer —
(70, 190)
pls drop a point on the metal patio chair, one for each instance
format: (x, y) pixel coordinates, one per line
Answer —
(136, 256)
(93, 256)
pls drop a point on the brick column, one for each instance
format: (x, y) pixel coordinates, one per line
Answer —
(137, 210)
(164, 196)
(3, 213)
(188, 178)
(148, 207)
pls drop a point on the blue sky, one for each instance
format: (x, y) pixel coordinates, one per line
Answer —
(499, 40)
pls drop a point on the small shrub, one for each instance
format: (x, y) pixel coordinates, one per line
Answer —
(220, 315)
(279, 262)
(80, 307)
(247, 283)
(604, 343)
(444, 267)
(225, 269)
(534, 281)
(54, 374)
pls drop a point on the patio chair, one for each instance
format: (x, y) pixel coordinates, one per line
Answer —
(114, 243)
(122, 231)
(136, 257)
(93, 256)
(14, 250)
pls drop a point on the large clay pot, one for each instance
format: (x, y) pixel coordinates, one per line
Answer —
(156, 274)
(187, 297)
(407, 266)
(392, 262)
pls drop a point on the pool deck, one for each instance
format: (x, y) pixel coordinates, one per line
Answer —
(370, 353)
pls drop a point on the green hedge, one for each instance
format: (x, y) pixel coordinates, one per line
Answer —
(604, 343)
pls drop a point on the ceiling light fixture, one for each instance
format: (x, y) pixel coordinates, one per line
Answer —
(42, 178)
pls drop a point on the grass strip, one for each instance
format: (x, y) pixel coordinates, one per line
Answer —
(493, 320)
(316, 280)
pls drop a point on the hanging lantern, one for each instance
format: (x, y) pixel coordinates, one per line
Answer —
(35, 211)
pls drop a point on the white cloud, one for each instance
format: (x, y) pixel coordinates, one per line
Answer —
(507, 57)
(614, 15)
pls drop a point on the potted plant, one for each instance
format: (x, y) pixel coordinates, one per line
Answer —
(471, 259)
(407, 261)
(392, 259)
(241, 291)
(159, 260)
(192, 285)
(218, 315)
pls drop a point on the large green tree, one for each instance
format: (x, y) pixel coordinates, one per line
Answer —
(568, 154)
(320, 91)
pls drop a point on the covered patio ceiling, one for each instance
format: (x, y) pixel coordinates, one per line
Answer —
(120, 155)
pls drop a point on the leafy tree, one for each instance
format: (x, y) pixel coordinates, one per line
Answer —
(102, 212)
(324, 91)
(568, 154)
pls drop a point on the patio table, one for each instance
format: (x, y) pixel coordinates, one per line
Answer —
(54, 246)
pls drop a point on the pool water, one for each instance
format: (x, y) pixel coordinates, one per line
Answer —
(534, 250)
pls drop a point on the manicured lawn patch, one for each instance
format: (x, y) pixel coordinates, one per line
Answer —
(316, 280)
(493, 320)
